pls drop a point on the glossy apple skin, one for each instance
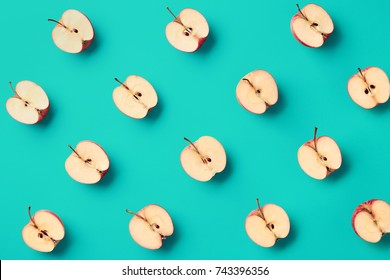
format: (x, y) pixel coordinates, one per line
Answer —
(298, 15)
(311, 144)
(360, 208)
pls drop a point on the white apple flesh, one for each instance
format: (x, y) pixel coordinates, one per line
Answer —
(30, 104)
(73, 33)
(311, 26)
(88, 163)
(371, 220)
(150, 226)
(188, 31)
(135, 97)
(203, 158)
(319, 157)
(44, 231)
(267, 224)
(257, 91)
(369, 87)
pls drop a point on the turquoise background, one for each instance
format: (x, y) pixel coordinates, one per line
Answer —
(196, 97)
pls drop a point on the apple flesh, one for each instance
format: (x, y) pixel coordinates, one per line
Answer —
(266, 225)
(371, 220)
(135, 97)
(203, 158)
(44, 231)
(150, 226)
(88, 163)
(311, 26)
(188, 31)
(257, 91)
(319, 157)
(30, 104)
(369, 87)
(73, 33)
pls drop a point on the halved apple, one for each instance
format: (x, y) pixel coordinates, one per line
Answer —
(88, 162)
(266, 225)
(369, 87)
(73, 33)
(188, 31)
(30, 104)
(203, 158)
(257, 91)
(135, 97)
(44, 231)
(311, 26)
(371, 220)
(319, 157)
(150, 226)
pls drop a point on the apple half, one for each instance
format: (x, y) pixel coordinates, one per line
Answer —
(319, 157)
(203, 158)
(266, 225)
(369, 87)
(150, 226)
(29, 105)
(73, 33)
(44, 231)
(257, 91)
(188, 31)
(311, 26)
(88, 162)
(135, 97)
(371, 220)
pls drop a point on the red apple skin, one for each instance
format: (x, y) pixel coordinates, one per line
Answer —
(43, 113)
(360, 208)
(298, 15)
(109, 163)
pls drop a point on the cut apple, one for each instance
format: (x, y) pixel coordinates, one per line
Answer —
(369, 87)
(371, 220)
(311, 26)
(203, 158)
(267, 224)
(135, 97)
(319, 157)
(73, 33)
(88, 163)
(150, 226)
(188, 31)
(257, 91)
(30, 104)
(44, 231)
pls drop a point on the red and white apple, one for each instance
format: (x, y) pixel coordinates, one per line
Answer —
(203, 158)
(257, 91)
(371, 220)
(188, 31)
(319, 157)
(369, 87)
(30, 104)
(73, 33)
(311, 26)
(266, 225)
(150, 226)
(44, 231)
(135, 97)
(88, 162)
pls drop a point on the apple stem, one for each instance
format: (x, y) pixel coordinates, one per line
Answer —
(136, 214)
(258, 206)
(299, 9)
(14, 91)
(176, 18)
(31, 217)
(74, 151)
(126, 87)
(205, 160)
(53, 20)
(315, 138)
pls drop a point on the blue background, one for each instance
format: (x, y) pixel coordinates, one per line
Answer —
(196, 97)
